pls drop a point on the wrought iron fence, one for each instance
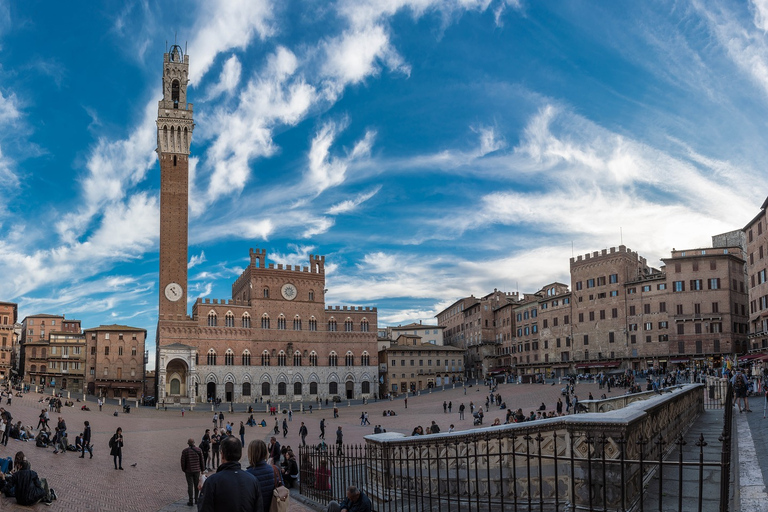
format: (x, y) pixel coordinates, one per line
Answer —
(534, 469)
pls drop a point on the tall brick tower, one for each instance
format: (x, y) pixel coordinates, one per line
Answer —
(174, 135)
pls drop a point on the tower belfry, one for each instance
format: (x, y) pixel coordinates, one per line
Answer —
(174, 136)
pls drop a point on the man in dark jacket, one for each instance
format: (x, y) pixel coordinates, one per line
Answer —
(231, 488)
(28, 487)
(192, 465)
(87, 440)
(355, 501)
(274, 450)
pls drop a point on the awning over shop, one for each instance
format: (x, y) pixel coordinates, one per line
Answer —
(600, 364)
(749, 357)
(679, 360)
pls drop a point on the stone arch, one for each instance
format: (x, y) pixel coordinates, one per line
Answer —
(211, 377)
(349, 377)
(365, 376)
(333, 377)
(281, 378)
(265, 377)
(247, 377)
(313, 376)
(229, 377)
(298, 378)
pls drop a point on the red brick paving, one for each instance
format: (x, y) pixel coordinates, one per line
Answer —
(154, 441)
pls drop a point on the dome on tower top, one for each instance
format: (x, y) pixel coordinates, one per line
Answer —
(176, 54)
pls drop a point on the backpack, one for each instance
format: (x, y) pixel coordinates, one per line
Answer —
(6, 465)
(739, 384)
(111, 442)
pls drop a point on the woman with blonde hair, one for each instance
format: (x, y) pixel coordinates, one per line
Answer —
(267, 474)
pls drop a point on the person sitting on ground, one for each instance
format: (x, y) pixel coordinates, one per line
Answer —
(263, 423)
(42, 440)
(532, 416)
(496, 422)
(28, 488)
(356, 501)
(290, 469)
(542, 407)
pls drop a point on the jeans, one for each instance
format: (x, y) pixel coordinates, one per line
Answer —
(87, 446)
(215, 460)
(192, 479)
(118, 460)
(333, 506)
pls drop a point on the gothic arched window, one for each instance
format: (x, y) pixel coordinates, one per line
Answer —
(229, 358)
(281, 358)
(332, 359)
(212, 357)
(212, 319)
(246, 320)
(265, 359)
(229, 319)
(246, 358)
(349, 359)
(297, 358)
(175, 93)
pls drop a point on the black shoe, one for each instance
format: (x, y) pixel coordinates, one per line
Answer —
(120, 468)
(53, 495)
(189, 503)
(82, 456)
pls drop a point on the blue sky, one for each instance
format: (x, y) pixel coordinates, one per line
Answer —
(430, 150)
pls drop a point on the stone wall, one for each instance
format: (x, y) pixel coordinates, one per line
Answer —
(586, 460)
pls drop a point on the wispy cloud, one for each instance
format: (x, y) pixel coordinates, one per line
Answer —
(351, 204)
(228, 79)
(326, 171)
(196, 259)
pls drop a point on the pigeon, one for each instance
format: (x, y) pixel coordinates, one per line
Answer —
(134, 464)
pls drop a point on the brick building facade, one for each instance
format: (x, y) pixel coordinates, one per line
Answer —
(621, 314)
(115, 361)
(9, 313)
(275, 338)
(408, 364)
(756, 232)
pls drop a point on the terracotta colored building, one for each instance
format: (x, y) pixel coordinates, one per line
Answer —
(115, 361)
(53, 352)
(756, 242)
(275, 338)
(9, 313)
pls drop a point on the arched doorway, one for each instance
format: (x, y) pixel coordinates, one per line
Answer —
(91, 388)
(229, 391)
(210, 391)
(350, 389)
(265, 389)
(176, 380)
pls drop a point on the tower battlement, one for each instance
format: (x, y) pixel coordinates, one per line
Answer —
(605, 253)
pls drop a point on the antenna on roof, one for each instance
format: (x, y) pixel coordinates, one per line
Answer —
(185, 47)
(166, 46)
(621, 235)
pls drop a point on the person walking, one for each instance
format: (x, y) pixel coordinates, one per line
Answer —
(116, 448)
(242, 434)
(86, 441)
(274, 450)
(192, 465)
(445, 407)
(277, 427)
(285, 428)
(221, 419)
(303, 433)
(215, 420)
(339, 440)
(101, 403)
(215, 444)
(322, 429)
(406, 402)
(231, 488)
(450, 406)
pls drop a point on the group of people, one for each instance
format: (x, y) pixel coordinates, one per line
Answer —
(20, 482)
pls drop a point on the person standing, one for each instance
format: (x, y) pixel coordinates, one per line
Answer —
(322, 429)
(192, 465)
(101, 403)
(267, 475)
(215, 419)
(231, 488)
(87, 440)
(339, 440)
(274, 450)
(7, 418)
(116, 448)
(303, 433)
(285, 428)
(445, 407)
(205, 447)
(221, 419)
(406, 402)
(450, 406)
(215, 444)
(461, 411)
(242, 434)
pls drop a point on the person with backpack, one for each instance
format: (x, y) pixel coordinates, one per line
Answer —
(205, 447)
(740, 386)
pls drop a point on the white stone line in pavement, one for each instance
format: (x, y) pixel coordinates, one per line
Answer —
(752, 491)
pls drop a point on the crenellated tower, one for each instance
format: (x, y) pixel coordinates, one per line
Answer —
(174, 135)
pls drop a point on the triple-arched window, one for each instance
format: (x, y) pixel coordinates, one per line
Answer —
(211, 357)
(229, 357)
(281, 358)
(281, 322)
(332, 325)
(297, 323)
(246, 358)
(229, 319)
(349, 359)
(246, 320)
(265, 359)
(333, 359)
(348, 326)
(265, 321)
(365, 359)
(212, 319)
(313, 358)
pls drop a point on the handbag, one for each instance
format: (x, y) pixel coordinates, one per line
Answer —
(280, 499)
(280, 494)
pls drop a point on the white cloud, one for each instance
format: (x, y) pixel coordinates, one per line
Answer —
(228, 79)
(275, 98)
(326, 171)
(746, 48)
(299, 256)
(224, 25)
(196, 260)
(351, 204)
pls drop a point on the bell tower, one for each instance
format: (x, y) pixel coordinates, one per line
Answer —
(174, 135)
